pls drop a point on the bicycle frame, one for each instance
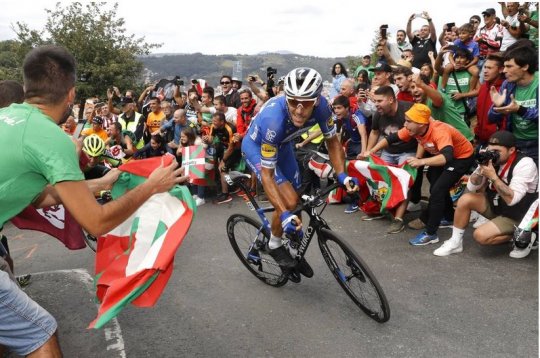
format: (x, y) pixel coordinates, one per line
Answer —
(309, 204)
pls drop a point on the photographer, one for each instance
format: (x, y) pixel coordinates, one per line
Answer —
(510, 181)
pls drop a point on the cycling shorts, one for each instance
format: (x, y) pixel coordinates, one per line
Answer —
(286, 166)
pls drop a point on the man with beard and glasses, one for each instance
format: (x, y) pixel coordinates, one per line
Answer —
(32, 175)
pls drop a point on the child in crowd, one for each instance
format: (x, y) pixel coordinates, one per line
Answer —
(156, 148)
(465, 41)
(188, 137)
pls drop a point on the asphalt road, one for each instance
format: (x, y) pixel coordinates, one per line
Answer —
(480, 303)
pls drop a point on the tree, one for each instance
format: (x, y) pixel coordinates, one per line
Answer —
(106, 55)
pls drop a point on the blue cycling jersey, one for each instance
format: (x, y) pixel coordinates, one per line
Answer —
(272, 127)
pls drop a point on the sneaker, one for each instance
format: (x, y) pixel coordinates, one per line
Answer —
(474, 216)
(414, 206)
(449, 247)
(396, 226)
(199, 201)
(416, 224)
(23, 280)
(372, 217)
(351, 208)
(223, 198)
(518, 253)
(480, 221)
(446, 224)
(424, 239)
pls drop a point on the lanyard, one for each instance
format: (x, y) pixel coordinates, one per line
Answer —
(505, 168)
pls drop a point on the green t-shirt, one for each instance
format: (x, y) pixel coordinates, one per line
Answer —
(448, 113)
(34, 152)
(464, 78)
(526, 96)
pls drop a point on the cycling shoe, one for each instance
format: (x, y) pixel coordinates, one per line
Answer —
(304, 268)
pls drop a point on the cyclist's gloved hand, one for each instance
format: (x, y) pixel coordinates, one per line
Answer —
(291, 224)
(350, 183)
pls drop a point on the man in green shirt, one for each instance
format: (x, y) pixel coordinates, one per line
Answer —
(517, 99)
(40, 167)
(442, 107)
(366, 65)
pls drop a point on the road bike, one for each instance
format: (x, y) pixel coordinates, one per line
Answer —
(351, 272)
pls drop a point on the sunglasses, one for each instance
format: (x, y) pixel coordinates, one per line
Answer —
(306, 103)
(225, 83)
(486, 15)
(475, 21)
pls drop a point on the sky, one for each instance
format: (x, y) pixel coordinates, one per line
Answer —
(331, 28)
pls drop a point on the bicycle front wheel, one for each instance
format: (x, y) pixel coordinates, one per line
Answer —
(354, 276)
(243, 233)
(91, 241)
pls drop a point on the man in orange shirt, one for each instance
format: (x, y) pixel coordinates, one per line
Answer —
(155, 117)
(97, 128)
(448, 154)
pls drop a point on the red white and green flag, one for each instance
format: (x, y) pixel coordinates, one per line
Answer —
(135, 260)
(387, 184)
(198, 164)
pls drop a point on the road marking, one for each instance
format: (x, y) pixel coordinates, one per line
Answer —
(113, 334)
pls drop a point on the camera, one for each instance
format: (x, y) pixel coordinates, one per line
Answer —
(252, 79)
(450, 26)
(483, 158)
(178, 82)
(270, 71)
(194, 82)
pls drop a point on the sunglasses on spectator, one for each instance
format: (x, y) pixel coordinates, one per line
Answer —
(306, 103)
(474, 21)
(225, 82)
(486, 15)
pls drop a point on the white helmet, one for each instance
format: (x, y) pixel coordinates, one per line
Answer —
(303, 82)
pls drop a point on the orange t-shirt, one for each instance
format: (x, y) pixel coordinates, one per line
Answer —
(102, 133)
(154, 120)
(438, 136)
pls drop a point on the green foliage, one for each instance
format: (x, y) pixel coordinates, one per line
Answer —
(97, 38)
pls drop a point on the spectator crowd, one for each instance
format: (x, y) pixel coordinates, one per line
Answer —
(459, 104)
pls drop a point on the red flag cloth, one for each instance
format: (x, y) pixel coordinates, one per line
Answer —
(55, 221)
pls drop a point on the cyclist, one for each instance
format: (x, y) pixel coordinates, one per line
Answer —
(268, 149)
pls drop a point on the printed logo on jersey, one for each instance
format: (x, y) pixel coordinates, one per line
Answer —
(330, 122)
(253, 135)
(268, 151)
(270, 135)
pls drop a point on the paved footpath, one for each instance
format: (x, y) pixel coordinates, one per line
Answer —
(480, 303)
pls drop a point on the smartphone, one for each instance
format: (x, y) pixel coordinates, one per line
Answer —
(252, 78)
(450, 25)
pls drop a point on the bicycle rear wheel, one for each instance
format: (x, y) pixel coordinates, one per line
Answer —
(243, 232)
(354, 276)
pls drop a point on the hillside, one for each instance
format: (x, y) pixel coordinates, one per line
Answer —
(211, 67)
